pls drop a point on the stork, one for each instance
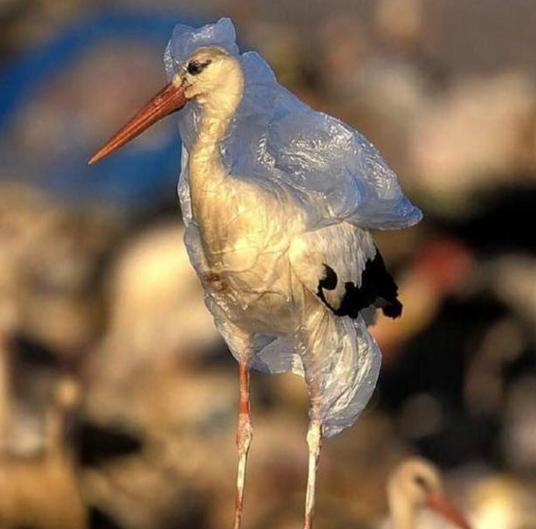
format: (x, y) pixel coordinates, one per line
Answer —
(416, 484)
(278, 201)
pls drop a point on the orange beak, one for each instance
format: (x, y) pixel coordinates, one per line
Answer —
(442, 505)
(168, 100)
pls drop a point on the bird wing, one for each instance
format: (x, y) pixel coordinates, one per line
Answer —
(341, 362)
(337, 165)
(343, 270)
(274, 136)
(336, 168)
(342, 267)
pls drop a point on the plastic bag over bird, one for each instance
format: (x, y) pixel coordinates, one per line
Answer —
(277, 137)
(341, 183)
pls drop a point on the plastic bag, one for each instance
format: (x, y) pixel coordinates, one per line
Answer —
(336, 175)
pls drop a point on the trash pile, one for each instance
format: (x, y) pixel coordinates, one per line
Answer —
(117, 396)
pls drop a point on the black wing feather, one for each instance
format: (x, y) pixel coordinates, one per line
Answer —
(377, 288)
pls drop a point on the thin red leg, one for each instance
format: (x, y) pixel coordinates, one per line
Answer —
(243, 440)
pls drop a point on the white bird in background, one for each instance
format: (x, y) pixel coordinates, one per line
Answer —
(277, 201)
(414, 485)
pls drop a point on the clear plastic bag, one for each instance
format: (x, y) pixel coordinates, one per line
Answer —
(276, 136)
(336, 175)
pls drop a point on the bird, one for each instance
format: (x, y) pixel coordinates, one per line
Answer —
(278, 201)
(416, 484)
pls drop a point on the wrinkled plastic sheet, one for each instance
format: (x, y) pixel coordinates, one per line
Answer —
(274, 135)
(338, 175)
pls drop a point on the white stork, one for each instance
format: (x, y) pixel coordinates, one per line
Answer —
(415, 485)
(277, 201)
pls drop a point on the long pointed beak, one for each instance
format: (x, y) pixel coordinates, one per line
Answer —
(443, 505)
(168, 100)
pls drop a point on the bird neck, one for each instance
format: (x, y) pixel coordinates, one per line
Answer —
(206, 169)
(213, 128)
(403, 513)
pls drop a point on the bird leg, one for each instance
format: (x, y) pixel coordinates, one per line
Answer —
(314, 441)
(243, 440)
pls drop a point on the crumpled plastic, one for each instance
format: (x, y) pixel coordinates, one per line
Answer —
(274, 135)
(337, 175)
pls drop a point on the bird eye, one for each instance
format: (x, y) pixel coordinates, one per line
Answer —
(419, 480)
(196, 67)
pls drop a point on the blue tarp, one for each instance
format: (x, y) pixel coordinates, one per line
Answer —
(130, 178)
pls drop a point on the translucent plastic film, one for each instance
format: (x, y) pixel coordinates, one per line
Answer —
(318, 170)
(276, 136)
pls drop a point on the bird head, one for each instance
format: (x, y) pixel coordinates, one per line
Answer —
(417, 484)
(210, 75)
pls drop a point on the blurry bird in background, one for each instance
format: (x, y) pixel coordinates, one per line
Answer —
(414, 485)
(164, 306)
(416, 497)
(278, 200)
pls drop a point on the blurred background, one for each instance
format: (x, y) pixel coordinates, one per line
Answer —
(118, 398)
